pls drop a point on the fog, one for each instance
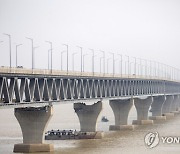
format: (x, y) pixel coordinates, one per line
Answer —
(148, 29)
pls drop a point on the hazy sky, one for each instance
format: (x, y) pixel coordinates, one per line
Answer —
(148, 29)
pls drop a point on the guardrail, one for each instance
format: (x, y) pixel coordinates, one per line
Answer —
(27, 71)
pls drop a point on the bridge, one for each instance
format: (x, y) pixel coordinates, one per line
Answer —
(33, 92)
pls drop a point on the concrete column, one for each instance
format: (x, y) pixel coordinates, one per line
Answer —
(156, 108)
(88, 115)
(142, 107)
(178, 103)
(121, 110)
(33, 121)
(175, 105)
(166, 109)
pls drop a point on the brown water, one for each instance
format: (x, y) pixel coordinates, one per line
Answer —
(113, 142)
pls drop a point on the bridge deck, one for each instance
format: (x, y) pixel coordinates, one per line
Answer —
(44, 72)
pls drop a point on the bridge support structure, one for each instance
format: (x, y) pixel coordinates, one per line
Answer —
(88, 115)
(142, 107)
(166, 109)
(175, 105)
(156, 108)
(178, 103)
(121, 108)
(33, 121)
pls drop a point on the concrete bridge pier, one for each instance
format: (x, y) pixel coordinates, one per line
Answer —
(178, 103)
(142, 107)
(33, 121)
(175, 105)
(88, 115)
(166, 108)
(121, 108)
(156, 108)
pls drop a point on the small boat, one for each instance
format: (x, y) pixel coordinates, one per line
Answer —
(68, 134)
(104, 119)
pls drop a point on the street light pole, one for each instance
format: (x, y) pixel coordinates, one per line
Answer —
(150, 69)
(81, 58)
(169, 72)
(135, 66)
(141, 70)
(172, 73)
(165, 71)
(16, 52)
(128, 64)
(158, 70)
(172, 68)
(130, 68)
(155, 70)
(100, 63)
(48, 58)
(113, 62)
(67, 56)
(120, 65)
(92, 60)
(103, 61)
(108, 64)
(145, 67)
(51, 52)
(32, 51)
(34, 56)
(9, 48)
(73, 60)
(62, 59)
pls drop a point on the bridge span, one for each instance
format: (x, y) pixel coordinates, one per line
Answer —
(33, 92)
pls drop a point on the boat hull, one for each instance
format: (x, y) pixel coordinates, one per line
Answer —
(79, 135)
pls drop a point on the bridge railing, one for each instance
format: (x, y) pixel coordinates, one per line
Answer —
(15, 70)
